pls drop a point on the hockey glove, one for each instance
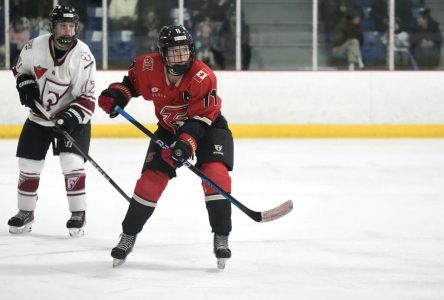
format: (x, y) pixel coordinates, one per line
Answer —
(113, 96)
(180, 151)
(28, 91)
(69, 119)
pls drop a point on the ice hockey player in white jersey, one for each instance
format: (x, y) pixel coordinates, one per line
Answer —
(58, 71)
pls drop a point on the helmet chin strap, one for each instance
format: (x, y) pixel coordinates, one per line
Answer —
(65, 41)
(177, 69)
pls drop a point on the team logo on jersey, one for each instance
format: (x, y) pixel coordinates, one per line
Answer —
(154, 89)
(53, 92)
(39, 71)
(218, 150)
(174, 115)
(148, 63)
(200, 76)
(71, 182)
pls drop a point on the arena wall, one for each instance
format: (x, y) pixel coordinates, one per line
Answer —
(288, 104)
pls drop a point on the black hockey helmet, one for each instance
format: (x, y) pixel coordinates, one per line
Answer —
(171, 36)
(64, 13)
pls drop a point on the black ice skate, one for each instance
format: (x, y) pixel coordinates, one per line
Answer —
(21, 222)
(76, 223)
(123, 248)
(221, 250)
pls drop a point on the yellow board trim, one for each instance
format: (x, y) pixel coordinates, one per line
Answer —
(274, 131)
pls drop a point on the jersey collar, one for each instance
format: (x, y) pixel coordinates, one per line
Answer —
(59, 62)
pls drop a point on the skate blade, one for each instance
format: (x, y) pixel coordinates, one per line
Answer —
(117, 262)
(19, 230)
(76, 232)
(221, 263)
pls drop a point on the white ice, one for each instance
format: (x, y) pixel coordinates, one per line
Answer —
(368, 223)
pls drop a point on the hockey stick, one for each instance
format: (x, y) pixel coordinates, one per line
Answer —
(264, 216)
(82, 153)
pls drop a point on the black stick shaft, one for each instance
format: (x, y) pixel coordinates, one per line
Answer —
(85, 155)
(252, 214)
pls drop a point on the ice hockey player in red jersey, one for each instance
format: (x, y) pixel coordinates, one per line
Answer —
(58, 71)
(188, 108)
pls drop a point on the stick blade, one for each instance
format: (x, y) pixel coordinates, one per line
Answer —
(277, 212)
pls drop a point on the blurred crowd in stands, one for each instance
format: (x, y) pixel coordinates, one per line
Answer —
(356, 31)
(417, 39)
(133, 26)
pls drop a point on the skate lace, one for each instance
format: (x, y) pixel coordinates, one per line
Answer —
(23, 214)
(220, 241)
(126, 241)
(77, 216)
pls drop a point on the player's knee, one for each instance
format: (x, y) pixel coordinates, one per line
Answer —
(150, 186)
(70, 162)
(218, 173)
(31, 166)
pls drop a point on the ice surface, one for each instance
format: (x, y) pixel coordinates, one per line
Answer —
(368, 223)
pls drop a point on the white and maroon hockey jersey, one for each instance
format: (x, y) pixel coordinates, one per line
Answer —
(68, 81)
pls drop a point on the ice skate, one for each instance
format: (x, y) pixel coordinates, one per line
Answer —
(221, 250)
(76, 223)
(123, 248)
(21, 222)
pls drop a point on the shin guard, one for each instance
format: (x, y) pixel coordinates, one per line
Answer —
(72, 167)
(28, 183)
(219, 209)
(219, 214)
(136, 217)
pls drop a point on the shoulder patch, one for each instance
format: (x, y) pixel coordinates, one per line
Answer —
(148, 63)
(200, 76)
(39, 71)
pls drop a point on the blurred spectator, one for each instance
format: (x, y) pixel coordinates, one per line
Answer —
(205, 49)
(221, 10)
(162, 7)
(29, 8)
(147, 31)
(199, 10)
(122, 14)
(402, 43)
(349, 39)
(19, 35)
(426, 40)
(333, 11)
(403, 11)
(228, 41)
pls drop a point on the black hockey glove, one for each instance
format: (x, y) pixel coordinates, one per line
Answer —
(180, 152)
(28, 91)
(69, 119)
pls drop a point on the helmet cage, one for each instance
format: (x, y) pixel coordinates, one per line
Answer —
(171, 36)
